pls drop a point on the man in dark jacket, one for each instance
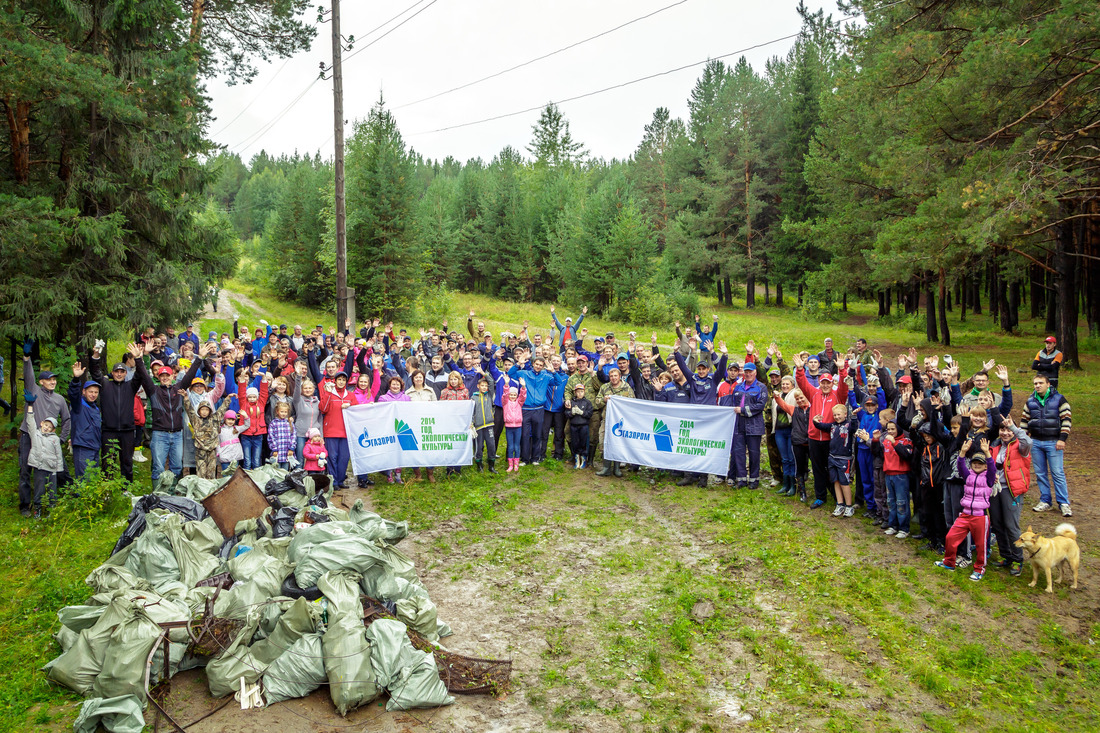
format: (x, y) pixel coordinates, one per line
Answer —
(1048, 420)
(167, 413)
(87, 420)
(116, 403)
(749, 400)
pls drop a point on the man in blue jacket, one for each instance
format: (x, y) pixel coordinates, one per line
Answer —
(537, 381)
(554, 417)
(749, 399)
(569, 330)
(86, 435)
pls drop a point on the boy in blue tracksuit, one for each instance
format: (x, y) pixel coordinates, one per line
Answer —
(538, 381)
(554, 416)
(866, 411)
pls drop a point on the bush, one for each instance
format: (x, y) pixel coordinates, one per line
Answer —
(915, 322)
(93, 497)
(433, 305)
(657, 303)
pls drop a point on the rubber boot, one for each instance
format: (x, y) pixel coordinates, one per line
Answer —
(606, 470)
(790, 485)
(802, 488)
(782, 487)
(618, 469)
(492, 465)
(477, 462)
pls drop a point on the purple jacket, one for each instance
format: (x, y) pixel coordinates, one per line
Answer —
(976, 487)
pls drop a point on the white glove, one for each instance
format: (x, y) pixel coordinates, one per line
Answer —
(330, 387)
(264, 322)
(578, 411)
(99, 344)
(995, 490)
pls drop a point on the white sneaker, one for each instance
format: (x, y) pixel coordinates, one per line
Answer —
(139, 458)
(850, 511)
(1042, 506)
(902, 535)
(891, 531)
(839, 510)
(1066, 512)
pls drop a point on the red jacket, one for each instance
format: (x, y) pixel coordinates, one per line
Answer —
(821, 405)
(311, 452)
(895, 456)
(332, 406)
(139, 412)
(255, 412)
(1016, 467)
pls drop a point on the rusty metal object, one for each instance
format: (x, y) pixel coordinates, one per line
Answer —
(221, 580)
(239, 499)
(461, 674)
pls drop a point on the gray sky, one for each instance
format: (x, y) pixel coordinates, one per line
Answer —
(453, 42)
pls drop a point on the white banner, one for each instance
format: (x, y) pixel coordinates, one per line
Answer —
(693, 438)
(387, 435)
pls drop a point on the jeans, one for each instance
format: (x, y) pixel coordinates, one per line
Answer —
(299, 446)
(897, 496)
(1044, 455)
(866, 476)
(486, 439)
(532, 436)
(513, 436)
(167, 445)
(786, 451)
(252, 446)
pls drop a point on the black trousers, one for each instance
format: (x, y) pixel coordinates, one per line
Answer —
(932, 521)
(819, 459)
(555, 421)
(498, 427)
(578, 440)
(118, 450)
(801, 459)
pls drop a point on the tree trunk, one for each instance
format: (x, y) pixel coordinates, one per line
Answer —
(1037, 297)
(19, 131)
(1065, 265)
(976, 297)
(779, 295)
(1014, 305)
(767, 293)
(844, 302)
(718, 282)
(800, 295)
(729, 289)
(963, 285)
(994, 299)
(887, 299)
(930, 312)
(881, 304)
(1052, 299)
(750, 292)
(1091, 274)
(945, 331)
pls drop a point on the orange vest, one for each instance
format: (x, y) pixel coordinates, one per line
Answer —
(1017, 467)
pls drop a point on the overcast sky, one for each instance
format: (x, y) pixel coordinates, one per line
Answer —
(453, 42)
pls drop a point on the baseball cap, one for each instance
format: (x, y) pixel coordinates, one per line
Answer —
(90, 383)
(905, 380)
(568, 320)
(610, 335)
(581, 358)
(598, 338)
(749, 367)
(775, 372)
(165, 370)
(622, 355)
(826, 378)
(578, 385)
(46, 374)
(1051, 340)
(51, 421)
(198, 380)
(118, 367)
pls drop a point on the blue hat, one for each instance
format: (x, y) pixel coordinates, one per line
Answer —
(213, 336)
(749, 367)
(339, 374)
(90, 383)
(46, 374)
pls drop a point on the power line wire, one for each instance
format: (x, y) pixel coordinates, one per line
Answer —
(263, 89)
(634, 81)
(361, 49)
(540, 58)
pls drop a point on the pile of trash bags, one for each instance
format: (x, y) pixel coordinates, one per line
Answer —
(292, 591)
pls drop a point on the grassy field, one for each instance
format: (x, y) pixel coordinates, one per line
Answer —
(633, 604)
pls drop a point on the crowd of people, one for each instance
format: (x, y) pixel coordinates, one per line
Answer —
(899, 437)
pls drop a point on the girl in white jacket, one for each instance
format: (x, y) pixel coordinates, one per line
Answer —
(229, 445)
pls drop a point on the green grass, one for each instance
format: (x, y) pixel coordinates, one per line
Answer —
(811, 626)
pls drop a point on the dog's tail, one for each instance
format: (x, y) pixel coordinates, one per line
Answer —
(1066, 530)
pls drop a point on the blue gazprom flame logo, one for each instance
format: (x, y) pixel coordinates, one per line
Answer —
(364, 439)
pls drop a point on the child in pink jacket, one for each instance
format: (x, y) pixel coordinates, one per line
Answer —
(979, 484)
(513, 424)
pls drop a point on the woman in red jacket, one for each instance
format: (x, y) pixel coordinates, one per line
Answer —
(253, 402)
(823, 398)
(335, 398)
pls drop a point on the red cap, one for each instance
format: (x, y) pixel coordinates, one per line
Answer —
(826, 378)
(905, 380)
(1051, 340)
(582, 357)
(165, 370)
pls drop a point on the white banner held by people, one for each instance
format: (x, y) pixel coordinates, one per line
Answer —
(693, 438)
(387, 435)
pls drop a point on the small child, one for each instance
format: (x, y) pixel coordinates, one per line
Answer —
(229, 445)
(45, 458)
(314, 452)
(895, 450)
(979, 483)
(842, 435)
(580, 413)
(513, 423)
(483, 423)
(206, 434)
(280, 436)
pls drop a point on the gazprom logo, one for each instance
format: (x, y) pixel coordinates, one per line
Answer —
(366, 441)
(620, 432)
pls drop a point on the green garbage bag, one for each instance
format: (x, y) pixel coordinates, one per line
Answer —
(65, 638)
(347, 663)
(78, 618)
(342, 553)
(166, 484)
(341, 588)
(196, 488)
(298, 619)
(224, 671)
(113, 576)
(420, 613)
(375, 527)
(78, 665)
(263, 586)
(116, 714)
(409, 675)
(298, 672)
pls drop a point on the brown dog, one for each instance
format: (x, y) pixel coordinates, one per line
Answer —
(1048, 552)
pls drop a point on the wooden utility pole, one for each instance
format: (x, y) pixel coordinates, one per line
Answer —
(338, 139)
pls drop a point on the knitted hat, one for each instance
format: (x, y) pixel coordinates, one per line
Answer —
(230, 414)
(252, 392)
(313, 433)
